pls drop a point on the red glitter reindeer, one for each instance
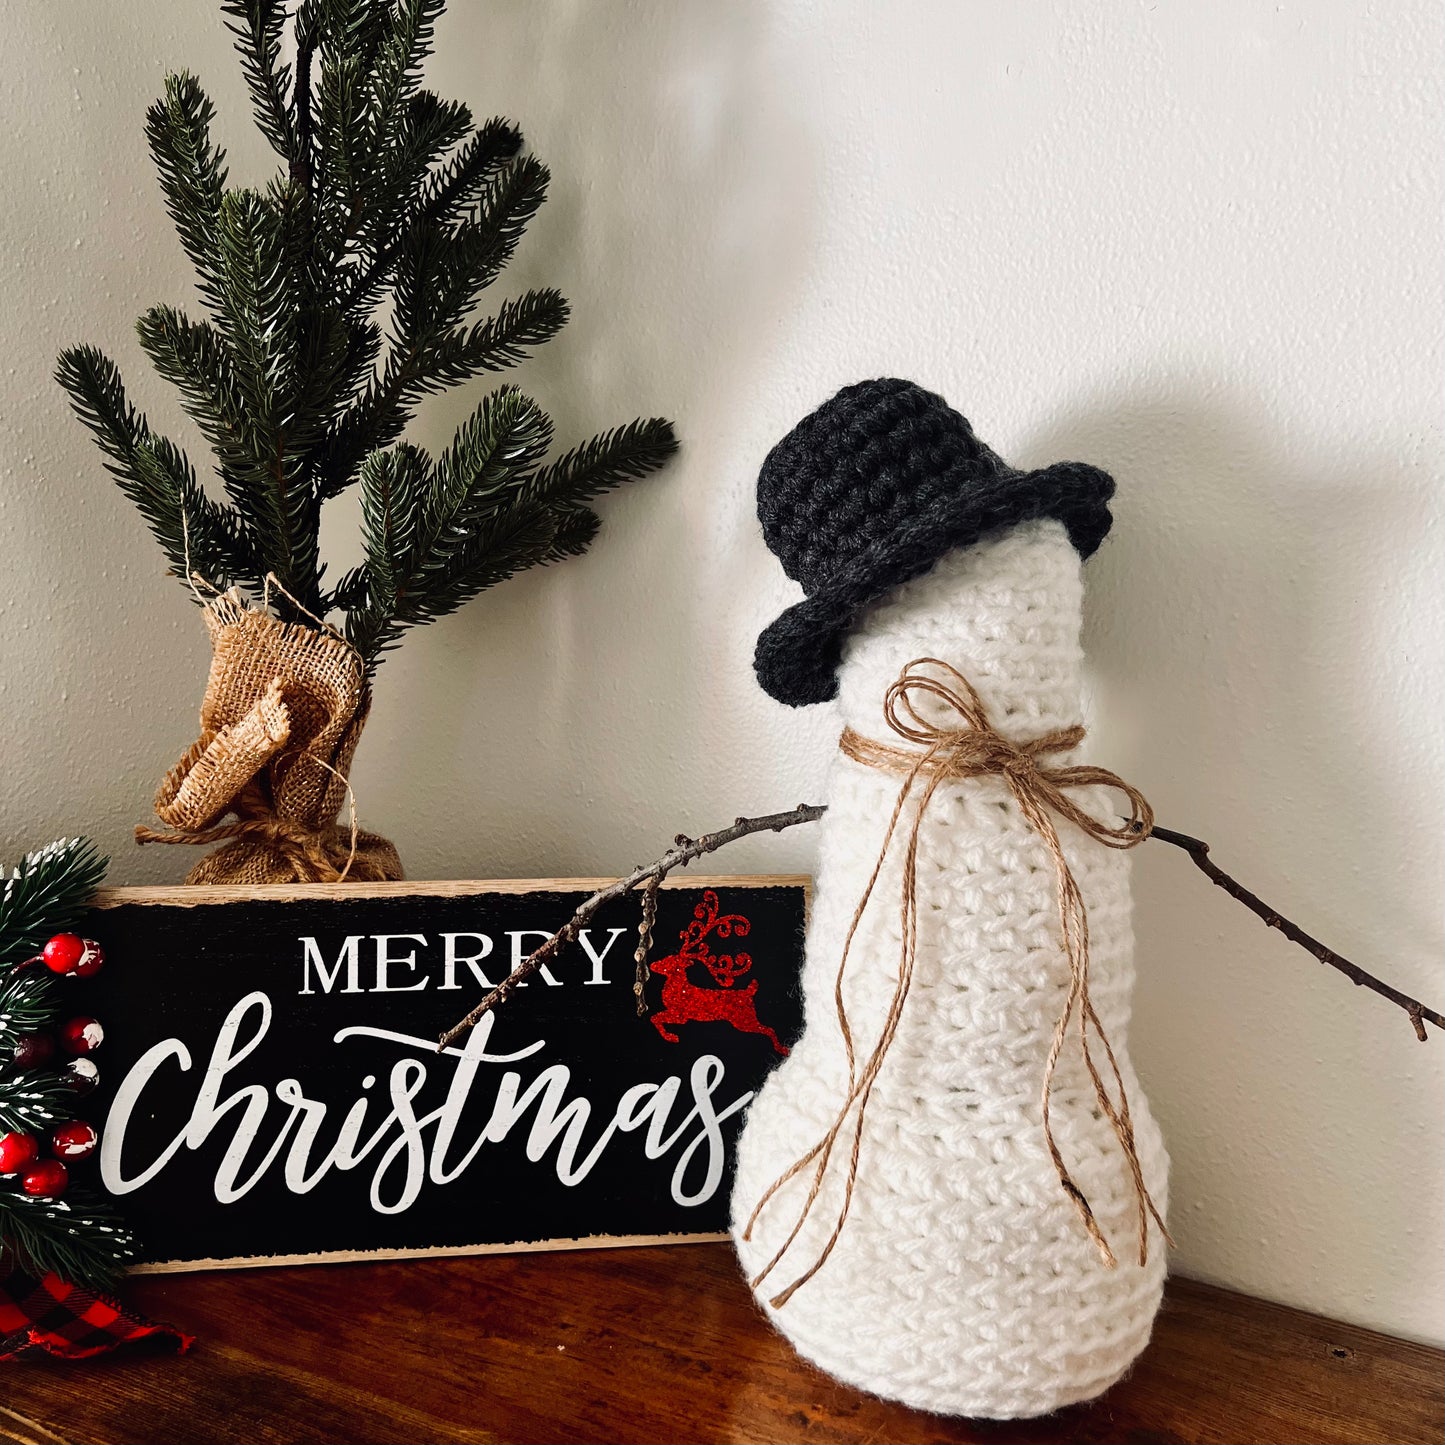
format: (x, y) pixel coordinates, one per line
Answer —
(685, 1002)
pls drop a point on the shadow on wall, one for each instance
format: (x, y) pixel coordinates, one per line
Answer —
(676, 218)
(1236, 620)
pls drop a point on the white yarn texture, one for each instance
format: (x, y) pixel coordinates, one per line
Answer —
(963, 1281)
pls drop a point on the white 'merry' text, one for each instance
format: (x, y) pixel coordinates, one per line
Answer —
(397, 963)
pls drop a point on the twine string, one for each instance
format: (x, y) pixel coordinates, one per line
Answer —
(273, 581)
(967, 745)
(194, 580)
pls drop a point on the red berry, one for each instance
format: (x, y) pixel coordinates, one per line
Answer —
(47, 1177)
(63, 952)
(82, 1075)
(31, 1050)
(16, 1151)
(92, 958)
(74, 1139)
(81, 1035)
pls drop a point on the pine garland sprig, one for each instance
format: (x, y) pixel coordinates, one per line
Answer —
(28, 1003)
(47, 893)
(79, 1237)
(35, 1101)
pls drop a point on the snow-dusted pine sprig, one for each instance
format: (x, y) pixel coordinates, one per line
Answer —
(46, 894)
(28, 1003)
(80, 1238)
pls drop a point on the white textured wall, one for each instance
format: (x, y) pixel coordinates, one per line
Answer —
(1196, 244)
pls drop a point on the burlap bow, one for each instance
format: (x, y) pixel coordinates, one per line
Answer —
(283, 712)
(967, 745)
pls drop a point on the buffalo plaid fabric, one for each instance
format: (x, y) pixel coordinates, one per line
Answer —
(69, 1321)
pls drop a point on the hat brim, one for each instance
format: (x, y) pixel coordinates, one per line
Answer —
(798, 653)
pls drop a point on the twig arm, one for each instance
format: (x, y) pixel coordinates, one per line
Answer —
(1198, 850)
(683, 851)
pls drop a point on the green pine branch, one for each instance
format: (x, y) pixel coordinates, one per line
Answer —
(607, 461)
(195, 358)
(405, 44)
(382, 413)
(441, 272)
(259, 316)
(437, 534)
(79, 1237)
(28, 1003)
(419, 520)
(192, 174)
(424, 131)
(337, 296)
(503, 340)
(257, 26)
(457, 183)
(155, 474)
(489, 465)
(47, 893)
(574, 530)
(35, 1101)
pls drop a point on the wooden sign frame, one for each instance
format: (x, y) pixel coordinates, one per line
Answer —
(199, 999)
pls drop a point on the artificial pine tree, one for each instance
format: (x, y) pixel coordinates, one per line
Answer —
(47, 1224)
(337, 297)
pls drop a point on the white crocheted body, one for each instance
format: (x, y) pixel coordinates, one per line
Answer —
(963, 1281)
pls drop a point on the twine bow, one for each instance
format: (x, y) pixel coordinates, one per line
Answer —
(968, 746)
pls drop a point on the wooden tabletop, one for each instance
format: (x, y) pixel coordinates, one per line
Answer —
(659, 1344)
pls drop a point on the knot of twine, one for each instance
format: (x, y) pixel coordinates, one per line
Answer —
(968, 746)
(326, 854)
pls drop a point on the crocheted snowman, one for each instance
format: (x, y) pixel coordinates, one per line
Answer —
(940, 1196)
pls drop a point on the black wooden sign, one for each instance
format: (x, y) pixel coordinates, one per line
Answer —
(271, 1089)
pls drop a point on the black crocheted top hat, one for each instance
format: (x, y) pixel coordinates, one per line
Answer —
(871, 490)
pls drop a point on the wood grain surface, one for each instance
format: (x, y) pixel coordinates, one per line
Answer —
(660, 1345)
(187, 896)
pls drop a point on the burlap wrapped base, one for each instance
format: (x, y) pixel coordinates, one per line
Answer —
(283, 712)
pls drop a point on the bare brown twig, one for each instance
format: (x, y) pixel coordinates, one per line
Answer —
(1198, 850)
(644, 941)
(683, 851)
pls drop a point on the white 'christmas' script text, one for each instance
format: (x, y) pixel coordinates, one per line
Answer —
(409, 1148)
